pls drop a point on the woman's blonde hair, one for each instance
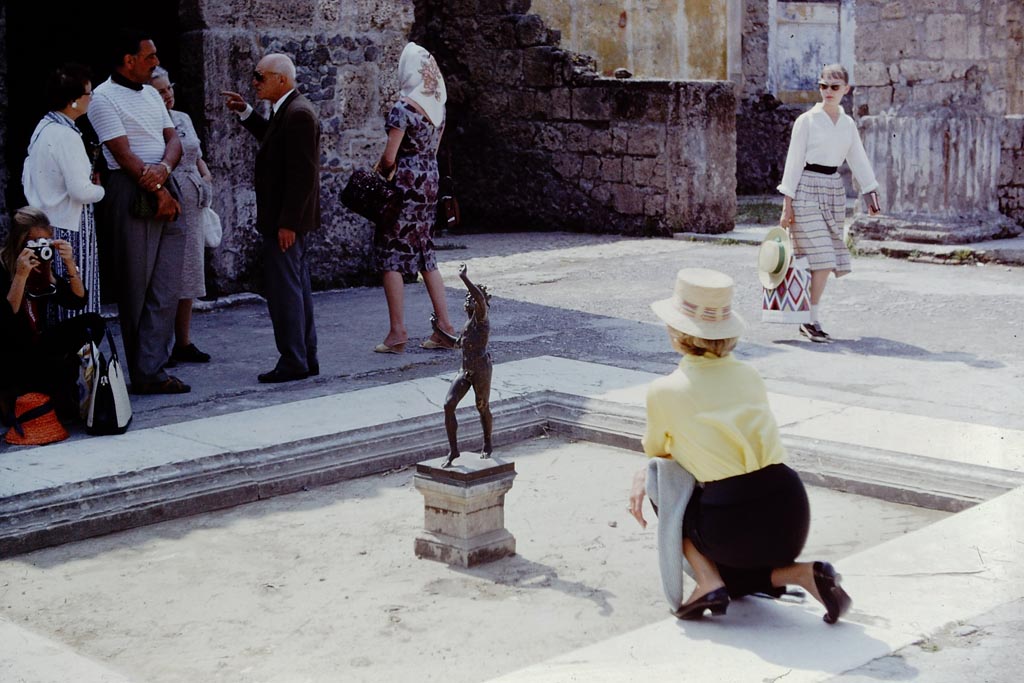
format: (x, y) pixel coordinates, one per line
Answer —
(697, 346)
(24, 220)
(835, 71)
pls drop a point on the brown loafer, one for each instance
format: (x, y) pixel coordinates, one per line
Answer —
(171, 385)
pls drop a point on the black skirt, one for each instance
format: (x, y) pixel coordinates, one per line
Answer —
(749, 525)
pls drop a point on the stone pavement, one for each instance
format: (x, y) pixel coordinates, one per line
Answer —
(910, 391)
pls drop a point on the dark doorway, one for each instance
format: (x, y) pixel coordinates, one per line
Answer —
(43, 35)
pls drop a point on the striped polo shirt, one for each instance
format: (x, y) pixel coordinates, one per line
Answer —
(117, 111)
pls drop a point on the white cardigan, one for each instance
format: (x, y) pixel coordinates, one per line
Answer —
(816, 140)
(58, 176)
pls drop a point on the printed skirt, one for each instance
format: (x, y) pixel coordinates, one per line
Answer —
(820, 208)
(83, 244)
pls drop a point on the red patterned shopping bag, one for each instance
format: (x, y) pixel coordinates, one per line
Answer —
(790, 302)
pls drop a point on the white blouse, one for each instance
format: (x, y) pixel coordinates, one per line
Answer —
(816, 140)
(57, 177)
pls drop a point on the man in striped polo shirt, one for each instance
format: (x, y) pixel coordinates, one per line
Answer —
(141, 148)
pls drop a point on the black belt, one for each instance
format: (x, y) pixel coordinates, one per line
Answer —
(818, 168)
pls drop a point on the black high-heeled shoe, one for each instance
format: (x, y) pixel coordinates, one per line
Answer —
(837, 602)
(717, 601)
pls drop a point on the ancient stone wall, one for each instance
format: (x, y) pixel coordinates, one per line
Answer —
(346, 53)
(1011, 169)
(927, 53)
(3, 121)
(540, 141)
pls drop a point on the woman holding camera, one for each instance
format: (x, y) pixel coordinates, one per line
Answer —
(34, 355)
(814, 197)
(58, 176)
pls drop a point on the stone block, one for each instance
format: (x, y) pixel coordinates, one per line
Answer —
(530, 31)
(507, 68)
(646, 141)
(498, 33)
(870, 73)
(601, 141)
(611, 169)
(591, 167)
(542, 66)
(628, 199)
(464, 510)
(568, 165)
(654, 205)
(561, 104)
(577, 137)
(592, 104)
(550, 137)
(620, 139)
(894, 10)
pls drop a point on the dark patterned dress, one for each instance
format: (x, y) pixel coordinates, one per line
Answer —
(406, 246)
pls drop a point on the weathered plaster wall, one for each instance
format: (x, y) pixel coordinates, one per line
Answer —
(1011, 169)
(671, 39)
(346, 53)
(541, 141)
(962, 53)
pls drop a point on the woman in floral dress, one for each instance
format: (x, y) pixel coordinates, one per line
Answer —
(415, 125)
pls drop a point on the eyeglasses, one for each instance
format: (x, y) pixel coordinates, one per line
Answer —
(834, 87)
(260, 76)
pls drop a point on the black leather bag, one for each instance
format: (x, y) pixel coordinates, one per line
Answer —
(371, 196)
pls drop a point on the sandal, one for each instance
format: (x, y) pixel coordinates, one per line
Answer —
(171, 385)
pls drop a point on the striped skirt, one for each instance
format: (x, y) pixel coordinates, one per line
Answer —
(820, 208)
(83, 244)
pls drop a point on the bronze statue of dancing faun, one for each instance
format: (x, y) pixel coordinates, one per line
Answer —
(476, 367)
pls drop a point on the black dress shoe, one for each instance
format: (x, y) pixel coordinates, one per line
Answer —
(837, 602)
(276, 376)
(717, 601)
(314, 370)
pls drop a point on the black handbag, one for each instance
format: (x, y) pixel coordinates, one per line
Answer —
(371, 196)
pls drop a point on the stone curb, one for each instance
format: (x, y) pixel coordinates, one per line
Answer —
(104, 505)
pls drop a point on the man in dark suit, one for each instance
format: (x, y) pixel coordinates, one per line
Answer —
(287, 208)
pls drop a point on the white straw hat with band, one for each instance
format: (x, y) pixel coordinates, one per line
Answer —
(774, 257)
(701, 305)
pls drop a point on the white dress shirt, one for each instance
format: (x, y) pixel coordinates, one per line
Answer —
(57, 177)
(816, 140)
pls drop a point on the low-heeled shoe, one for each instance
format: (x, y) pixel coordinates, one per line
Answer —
(717, 601)
(277, 376)
(837, 602)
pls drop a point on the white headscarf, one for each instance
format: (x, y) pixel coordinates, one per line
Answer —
(421, 81)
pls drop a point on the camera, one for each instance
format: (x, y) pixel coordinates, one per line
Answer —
(43, 249)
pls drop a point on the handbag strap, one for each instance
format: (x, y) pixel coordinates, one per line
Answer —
(113, 347)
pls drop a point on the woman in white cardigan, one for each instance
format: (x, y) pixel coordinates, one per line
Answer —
(814, 198)
(58, 176)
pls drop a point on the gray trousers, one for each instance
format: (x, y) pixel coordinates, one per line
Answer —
(148, 257)
(290, 303)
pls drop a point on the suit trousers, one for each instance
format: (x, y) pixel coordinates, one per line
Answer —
(290, 303)
(148, 257)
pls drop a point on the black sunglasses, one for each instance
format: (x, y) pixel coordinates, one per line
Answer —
(834, 87)
(258, 76)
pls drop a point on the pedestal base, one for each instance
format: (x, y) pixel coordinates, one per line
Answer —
(464, 510)
(928, 230)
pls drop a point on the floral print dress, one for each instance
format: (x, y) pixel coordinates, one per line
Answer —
(406, 246)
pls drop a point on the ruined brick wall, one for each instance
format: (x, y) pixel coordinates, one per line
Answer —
(960, 53)
(763, 123)
(540, 141)
(1011, 169)
(346, 53)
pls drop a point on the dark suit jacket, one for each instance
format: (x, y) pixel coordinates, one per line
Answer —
(287, 167)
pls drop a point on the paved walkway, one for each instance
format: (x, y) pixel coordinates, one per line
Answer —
(908, 389)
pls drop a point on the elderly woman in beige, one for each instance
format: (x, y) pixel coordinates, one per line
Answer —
(195, 182)
(748, 519)
(58, 178)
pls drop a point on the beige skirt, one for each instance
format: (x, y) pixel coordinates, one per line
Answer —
(820, 207)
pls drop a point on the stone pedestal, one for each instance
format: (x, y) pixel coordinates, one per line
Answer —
(939, 178)
(464, 510)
